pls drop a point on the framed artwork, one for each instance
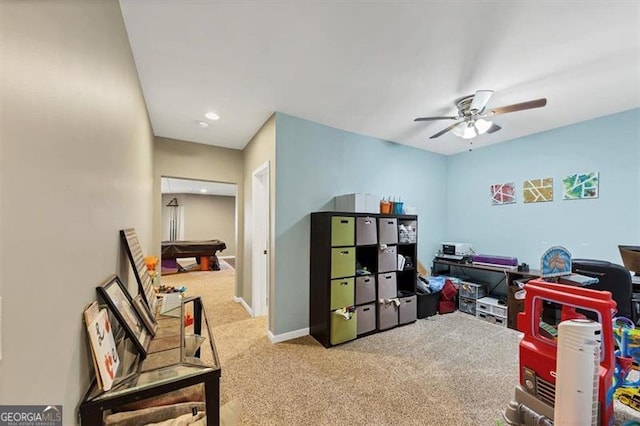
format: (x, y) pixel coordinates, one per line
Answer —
(537, 190)
(580, 185)
(503, 193)
(103, 346)
(136, 258)
(555, 262)
(145, 315)
(121, 305)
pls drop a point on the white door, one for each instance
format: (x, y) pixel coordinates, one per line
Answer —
(260, 237)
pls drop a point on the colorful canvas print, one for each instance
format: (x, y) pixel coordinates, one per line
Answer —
(580, 185)
(503, 193)
(537, 190)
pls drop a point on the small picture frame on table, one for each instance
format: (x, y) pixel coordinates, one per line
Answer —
(120, 303)
(145, 315)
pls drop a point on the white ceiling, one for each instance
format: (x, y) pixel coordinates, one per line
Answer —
(200, 187)
(372, 67)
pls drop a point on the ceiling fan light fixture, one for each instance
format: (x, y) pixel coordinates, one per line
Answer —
(465, 130)
(482, 125)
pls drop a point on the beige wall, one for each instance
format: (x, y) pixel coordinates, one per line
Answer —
(206, 217)
(76, 168)
(260, 149)
(181, 159)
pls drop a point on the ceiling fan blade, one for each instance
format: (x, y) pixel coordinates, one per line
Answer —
(443, 131)
(434, 118)
(494, 128)
(480, 100)
(519, 107)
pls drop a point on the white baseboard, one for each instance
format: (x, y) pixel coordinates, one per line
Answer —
(226, 257)
(241, 301)
(277, 338)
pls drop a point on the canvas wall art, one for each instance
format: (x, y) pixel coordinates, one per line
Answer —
(580, 185)
(537, 190)
(503, 193)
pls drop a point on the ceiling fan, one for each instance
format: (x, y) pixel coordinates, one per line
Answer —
(472, 119)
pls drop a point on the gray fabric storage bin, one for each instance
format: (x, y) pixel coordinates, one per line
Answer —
(388, 230)
(387, 286)
(387, 315)
(366, 318)
(408, 311)
(388, 259)
(366, 231)
(365, 289)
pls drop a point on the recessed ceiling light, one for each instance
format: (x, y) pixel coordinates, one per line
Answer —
(203, 190)
(203, 124)
(212, 116)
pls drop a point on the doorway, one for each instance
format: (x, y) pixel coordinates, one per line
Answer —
(260, 248)
(199, 210)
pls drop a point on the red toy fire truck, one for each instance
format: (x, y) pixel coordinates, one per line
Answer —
(546, 305)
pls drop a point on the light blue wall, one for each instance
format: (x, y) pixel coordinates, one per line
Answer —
(313, 164)
(588, 228)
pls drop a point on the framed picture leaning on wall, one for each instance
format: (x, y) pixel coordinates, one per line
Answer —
(121, 305)
(145, 315)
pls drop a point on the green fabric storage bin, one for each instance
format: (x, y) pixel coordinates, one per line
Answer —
(342, 293)
(342, 231)
(343, 329)
(343, 262)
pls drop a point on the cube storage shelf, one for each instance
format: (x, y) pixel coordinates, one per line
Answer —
(357, 284)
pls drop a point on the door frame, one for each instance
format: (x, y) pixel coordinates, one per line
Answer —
(260, 237)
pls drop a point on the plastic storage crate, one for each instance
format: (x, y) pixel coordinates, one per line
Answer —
(491, 305)
(467, 305)
(493, 319)
(471, 290)
(427, 304)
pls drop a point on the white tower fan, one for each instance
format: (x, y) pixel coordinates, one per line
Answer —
(577, 366)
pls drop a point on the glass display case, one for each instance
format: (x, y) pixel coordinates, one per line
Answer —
(181, 354)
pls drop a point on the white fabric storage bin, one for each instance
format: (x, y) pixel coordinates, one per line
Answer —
(408, 310)
(387, 286)
(387, 230)
(366, 231)
(387, 258)
(366, 318)
(387, 314)
(365, 289)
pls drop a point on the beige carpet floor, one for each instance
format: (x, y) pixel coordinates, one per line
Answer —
(445, 370)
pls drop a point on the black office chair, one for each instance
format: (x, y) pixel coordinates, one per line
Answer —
(611, 277)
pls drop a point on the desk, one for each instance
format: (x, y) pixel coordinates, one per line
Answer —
(202, 250)
(498, 279)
